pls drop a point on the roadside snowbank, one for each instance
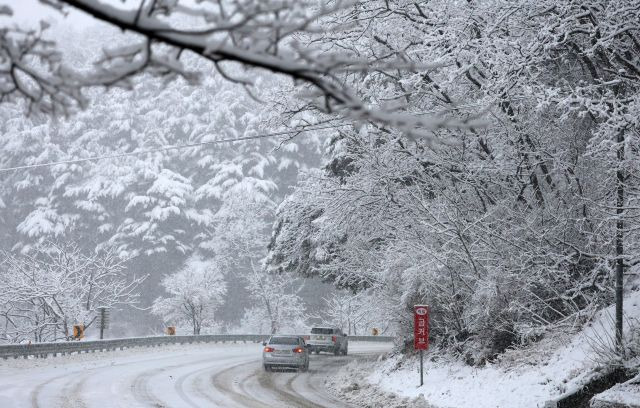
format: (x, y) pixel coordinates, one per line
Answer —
(522, 378)
(352, 386)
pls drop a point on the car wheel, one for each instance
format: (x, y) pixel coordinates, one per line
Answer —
(317, 351)
(267, 367)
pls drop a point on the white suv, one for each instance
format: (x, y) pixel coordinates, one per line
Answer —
(329, 339)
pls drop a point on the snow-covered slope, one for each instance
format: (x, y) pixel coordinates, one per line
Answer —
(522, 378)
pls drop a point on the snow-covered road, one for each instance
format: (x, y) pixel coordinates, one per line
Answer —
(212, 375)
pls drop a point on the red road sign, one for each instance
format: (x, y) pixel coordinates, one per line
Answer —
(421, 327)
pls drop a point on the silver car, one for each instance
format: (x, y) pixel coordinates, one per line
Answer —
(330, 339)
(282, 351)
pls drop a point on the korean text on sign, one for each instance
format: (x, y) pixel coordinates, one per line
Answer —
(421, 327)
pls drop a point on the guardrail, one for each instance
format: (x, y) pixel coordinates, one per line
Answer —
(44, 350)
(380, 339)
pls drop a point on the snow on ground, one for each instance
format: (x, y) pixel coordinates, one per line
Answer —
(176, 376)
(522, 378)
(95, 379)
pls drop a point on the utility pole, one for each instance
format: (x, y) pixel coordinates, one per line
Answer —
(619, 240)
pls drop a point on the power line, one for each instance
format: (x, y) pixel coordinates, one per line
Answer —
(168, 148)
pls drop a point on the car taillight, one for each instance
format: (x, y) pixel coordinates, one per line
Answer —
(268, 349)
(333, 339)
(298, 350)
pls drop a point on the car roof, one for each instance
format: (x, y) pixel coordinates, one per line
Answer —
(286, 335)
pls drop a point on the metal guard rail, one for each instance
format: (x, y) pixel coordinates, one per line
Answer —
(44, 350)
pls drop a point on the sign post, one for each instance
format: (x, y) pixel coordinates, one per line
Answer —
(421, 334)
(104, 320)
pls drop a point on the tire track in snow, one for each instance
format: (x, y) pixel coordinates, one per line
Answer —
(72, 397)
(141, 387)
(143, 393)
(179, 386)
(38, 390)
(281, 389)
(66, 390)
(35, 394)
(200, 375)
(85, 373)
(292, 398)
(250, 386)
(198, 388)
(220, 379)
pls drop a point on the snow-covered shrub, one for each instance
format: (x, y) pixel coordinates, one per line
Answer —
(602, 342)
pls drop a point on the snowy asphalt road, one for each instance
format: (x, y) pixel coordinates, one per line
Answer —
(214, 375)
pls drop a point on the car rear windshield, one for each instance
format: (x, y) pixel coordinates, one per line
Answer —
(321, 330)
(284, 340)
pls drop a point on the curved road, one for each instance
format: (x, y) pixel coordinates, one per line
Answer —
(190, 376)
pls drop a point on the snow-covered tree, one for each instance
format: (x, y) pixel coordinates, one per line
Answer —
(345, 311)
(359, 313)
(165, 204)
(56, 286)
(511, 228)
(278, 298)
(193, 295)
(242, 237)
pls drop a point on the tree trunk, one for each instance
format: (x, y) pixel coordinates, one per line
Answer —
(619, 240)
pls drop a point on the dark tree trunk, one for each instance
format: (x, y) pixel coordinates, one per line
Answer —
(619, 240)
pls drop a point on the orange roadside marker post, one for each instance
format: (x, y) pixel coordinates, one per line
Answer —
(78, 331)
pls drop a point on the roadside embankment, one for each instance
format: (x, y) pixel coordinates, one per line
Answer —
(559, 365)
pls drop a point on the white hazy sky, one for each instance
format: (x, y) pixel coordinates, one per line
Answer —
(32, 11)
